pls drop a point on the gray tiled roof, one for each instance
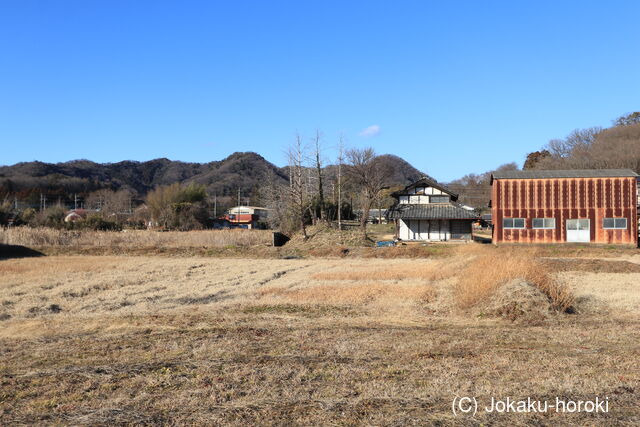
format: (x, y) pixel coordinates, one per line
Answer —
(435, 211)
(425, 181)
(573, 173)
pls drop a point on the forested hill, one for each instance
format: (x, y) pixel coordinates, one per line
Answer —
(239, 170)
(245, 171)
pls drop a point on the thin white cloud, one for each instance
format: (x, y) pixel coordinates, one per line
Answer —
(370, 131)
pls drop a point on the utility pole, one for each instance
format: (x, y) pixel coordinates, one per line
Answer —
(238, 197)
(75, 201)
(215, 205)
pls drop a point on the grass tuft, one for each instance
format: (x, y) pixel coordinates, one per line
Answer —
(490, 270)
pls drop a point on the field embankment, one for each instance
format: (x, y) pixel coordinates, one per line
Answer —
(322, 242)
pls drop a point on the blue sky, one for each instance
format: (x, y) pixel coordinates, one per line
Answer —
(453, 87)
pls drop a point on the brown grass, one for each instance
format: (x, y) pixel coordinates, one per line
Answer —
(426, 270)
(486, 272)
(591, 265)
(54, 266)
(202, 341)
(479, 274)
(360, 293)
(39, 237)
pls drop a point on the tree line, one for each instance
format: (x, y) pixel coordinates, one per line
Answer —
(318, 191)
(616, 147)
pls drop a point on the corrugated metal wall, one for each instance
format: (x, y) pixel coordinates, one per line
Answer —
(562, 199)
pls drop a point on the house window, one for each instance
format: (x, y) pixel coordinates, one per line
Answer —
(439, 199)
(614, 223)
(513, 222)
(545, 223)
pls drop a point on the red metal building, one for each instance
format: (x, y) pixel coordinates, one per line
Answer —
(556, 206)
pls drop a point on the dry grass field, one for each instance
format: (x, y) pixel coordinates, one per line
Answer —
(105, 340)
(43, 237)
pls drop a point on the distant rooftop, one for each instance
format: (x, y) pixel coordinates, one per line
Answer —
(572, 173)
(248, 207)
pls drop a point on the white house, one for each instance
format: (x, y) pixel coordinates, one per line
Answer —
(427, 210)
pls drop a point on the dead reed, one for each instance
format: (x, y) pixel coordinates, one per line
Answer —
(41, 237)
(489, 270)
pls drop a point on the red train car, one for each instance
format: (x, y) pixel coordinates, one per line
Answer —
(557, 206)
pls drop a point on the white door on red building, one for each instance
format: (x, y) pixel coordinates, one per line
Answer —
(578, 230)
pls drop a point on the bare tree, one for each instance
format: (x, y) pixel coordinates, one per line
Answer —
(339, 179)
(475, 189)
(572, 152)
(115, 205)
(370, 176)
(319, 175)
(298, 185)
(276, 197)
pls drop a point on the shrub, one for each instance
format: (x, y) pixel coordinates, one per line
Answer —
(5, 214)
(27, 216)
(51, 217)
(178, 207)
(98, 223)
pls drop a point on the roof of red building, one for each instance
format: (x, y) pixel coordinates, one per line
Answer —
(571, 173)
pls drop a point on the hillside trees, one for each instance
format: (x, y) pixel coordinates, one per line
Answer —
(628, 119)
(596, 148)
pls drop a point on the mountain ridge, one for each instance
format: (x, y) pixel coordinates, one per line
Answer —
(241, 170)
